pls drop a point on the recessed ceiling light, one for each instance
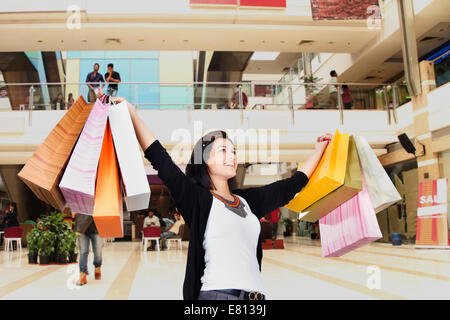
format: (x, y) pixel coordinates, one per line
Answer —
(241, 40)
(185, 40)
(164, 41)
(331, 42)
(262, 55)
(282, 41)
(40, 41)
(84, 40)
(141, 40)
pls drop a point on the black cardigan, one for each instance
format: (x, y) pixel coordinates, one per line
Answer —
(194, 203)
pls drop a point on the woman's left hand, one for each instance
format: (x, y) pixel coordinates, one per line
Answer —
(322, 141)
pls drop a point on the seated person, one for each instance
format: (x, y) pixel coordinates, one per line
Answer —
(152, 221)
(172, 230)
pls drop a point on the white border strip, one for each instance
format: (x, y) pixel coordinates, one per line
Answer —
(428, 211)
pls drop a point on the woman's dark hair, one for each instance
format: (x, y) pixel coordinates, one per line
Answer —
(14, 205)
(333, 73)
(197, 169)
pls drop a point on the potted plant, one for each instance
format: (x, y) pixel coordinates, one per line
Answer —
(289, 227)
(32, 245)
(61, 248)
(46, 244)
(72, 243)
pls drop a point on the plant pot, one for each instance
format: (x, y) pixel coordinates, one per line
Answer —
(44, 260)
(61, 259)
(53, 258)
(32, 258)
(73, 258)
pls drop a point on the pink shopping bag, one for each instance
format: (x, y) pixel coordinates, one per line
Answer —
(78, 182)
(349, 226)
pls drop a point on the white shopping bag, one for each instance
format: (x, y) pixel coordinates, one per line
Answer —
(381, 190)
(134, 178)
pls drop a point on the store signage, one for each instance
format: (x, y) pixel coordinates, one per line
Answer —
(432, 212)
(344, 9)
(241, 3)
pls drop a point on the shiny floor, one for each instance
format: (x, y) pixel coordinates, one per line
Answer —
(298, 272)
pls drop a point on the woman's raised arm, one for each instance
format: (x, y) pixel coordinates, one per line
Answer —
(183, 191)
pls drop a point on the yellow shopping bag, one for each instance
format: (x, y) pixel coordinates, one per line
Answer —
(328, 176)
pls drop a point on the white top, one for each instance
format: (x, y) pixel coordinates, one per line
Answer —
(148, 221)
(333, 87)
(230, 244)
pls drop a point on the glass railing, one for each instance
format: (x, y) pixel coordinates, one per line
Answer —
(211, 95)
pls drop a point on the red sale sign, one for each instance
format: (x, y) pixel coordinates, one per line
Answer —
(432, 223)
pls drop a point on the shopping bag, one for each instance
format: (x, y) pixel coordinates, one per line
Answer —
(381, 190)
(108, 214)
(128, 152)
(43, 171)
(349, 226)
(352, 185)
(328, 176)
(78, 182)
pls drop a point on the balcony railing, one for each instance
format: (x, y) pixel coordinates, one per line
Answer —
(261, 96)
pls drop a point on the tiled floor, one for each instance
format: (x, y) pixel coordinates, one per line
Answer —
(376, 271)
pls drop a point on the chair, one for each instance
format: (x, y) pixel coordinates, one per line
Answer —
(150, 233)
(176, 238)
(13, 234)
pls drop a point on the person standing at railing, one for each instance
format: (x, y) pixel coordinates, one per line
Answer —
(347, 98)
(333, 88)
(112, 78)
(91, 78)
(70, 101)
(59, 103)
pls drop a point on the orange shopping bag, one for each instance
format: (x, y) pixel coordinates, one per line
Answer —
(43, 171)
(108, 214)
(328, 176)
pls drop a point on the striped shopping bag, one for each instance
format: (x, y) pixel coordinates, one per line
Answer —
(78, 182)
(349, 226)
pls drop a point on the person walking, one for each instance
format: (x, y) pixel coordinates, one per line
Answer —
(225, 251)
(87, 234)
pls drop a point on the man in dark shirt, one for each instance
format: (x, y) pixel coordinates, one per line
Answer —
(94, 76)
(113, 78)
(87, 233)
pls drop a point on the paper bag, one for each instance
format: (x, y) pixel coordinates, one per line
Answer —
(43, 171)
(349, 226)
(78, 182)
(381, 190)
(328, 176)
(108, 214)
(134, 178)
(352, 185)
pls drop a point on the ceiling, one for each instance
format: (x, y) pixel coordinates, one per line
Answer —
(277, 66)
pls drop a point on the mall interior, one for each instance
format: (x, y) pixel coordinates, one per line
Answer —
(261, 71)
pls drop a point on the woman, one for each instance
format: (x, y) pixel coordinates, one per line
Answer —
(70, 101)
(224, 255)
(11, 216)
(59, 102)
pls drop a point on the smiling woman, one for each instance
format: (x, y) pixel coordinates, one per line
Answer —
(225, 252)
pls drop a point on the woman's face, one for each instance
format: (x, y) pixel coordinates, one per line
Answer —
(222, 160)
